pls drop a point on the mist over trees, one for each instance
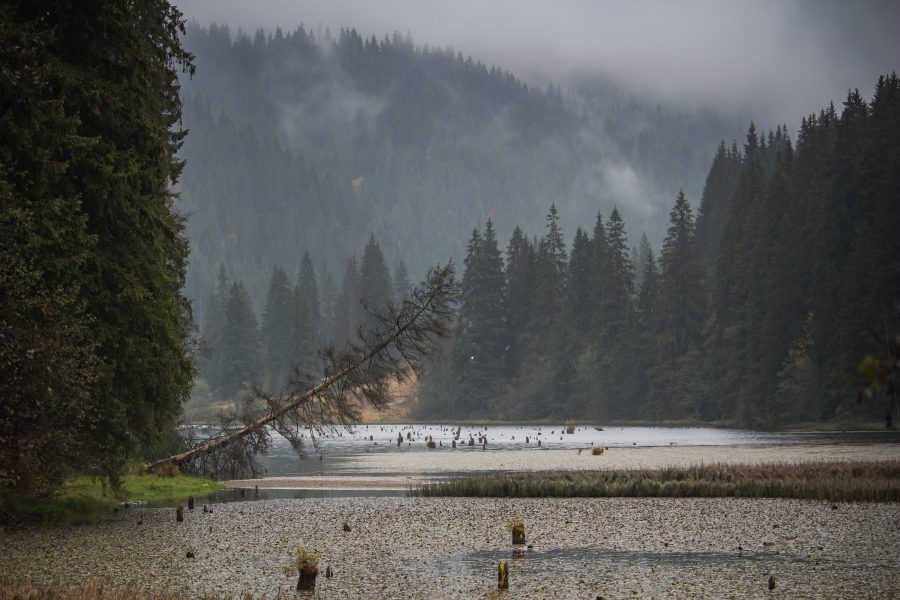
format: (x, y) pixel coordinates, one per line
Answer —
(330, 137)
(756, 311)
(297, 322)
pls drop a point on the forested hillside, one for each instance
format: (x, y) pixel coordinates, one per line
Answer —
(756, 310)
(305, 141)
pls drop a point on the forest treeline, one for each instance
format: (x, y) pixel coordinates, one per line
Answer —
(299, 318)
(327, 138)
(756, 310)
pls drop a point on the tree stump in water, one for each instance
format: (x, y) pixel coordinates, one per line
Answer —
(307, 579)
(190, 503)
(179, 513)
(503, 575)
(518, 534)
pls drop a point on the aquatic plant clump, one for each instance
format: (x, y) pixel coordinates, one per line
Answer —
(833, 481)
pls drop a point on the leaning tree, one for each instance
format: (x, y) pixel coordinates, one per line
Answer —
(360, 374)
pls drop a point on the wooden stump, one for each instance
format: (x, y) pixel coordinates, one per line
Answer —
(190, 503)
(503, 575)
(179, 513)
(518, 534)
(307, 579)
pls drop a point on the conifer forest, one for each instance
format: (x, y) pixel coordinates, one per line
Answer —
(232, 232)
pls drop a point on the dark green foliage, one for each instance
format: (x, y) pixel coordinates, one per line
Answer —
(480, 347)
(375, 286)
(277, 333)
(94, 259)
(715, 203)
(309, 285)
(680, 306)
(240, 344)
(802, 258)
(349, 312)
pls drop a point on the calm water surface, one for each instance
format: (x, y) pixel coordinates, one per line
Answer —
(339, 450)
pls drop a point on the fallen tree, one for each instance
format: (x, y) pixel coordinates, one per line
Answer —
(393, 349)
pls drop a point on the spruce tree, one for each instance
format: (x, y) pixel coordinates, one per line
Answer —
(349, 312)
(681, 305)
(375, 284)
(240, 343)
(308, 282)
(277, 336)
(520, 273)
(480, 351)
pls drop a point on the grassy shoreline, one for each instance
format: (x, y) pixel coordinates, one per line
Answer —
(82, 499)
(832, 481)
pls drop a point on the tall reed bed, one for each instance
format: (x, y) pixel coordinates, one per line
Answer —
(832, 481)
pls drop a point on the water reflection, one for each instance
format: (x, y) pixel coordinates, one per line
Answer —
(338, 451)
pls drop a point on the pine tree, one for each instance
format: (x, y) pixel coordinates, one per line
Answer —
(277, 337)
(304, 350)
(90, 129)
(375, 281)
(681, 306)
(240, 343)
(715, 203)
(308, 282)
(520, 273)
(211, 333)
(481, 324)
(618, 279)
(581, 271)
(349, 314)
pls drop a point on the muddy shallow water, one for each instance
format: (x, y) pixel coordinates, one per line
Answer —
(449, 548)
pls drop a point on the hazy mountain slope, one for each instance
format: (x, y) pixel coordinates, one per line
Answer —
(301, 141)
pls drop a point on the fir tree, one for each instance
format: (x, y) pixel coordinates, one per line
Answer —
(481, 327)
(308, 282)
(277, 336)
(349, 314)
(240, 343)
(375, 284)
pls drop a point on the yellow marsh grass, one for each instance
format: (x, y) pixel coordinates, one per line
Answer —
(834, 481)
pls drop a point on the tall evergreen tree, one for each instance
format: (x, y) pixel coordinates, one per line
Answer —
(308, 282)
(90, 123)
(374, 280)
(349, 315)
(277, 336)
(481, 327)
(240, 343)
(520, 273)
(211, 333)
(681, 305)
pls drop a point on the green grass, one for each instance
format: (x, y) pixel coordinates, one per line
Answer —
(832, 481)
(82, 499)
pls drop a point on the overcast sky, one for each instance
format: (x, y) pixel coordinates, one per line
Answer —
(774, 59)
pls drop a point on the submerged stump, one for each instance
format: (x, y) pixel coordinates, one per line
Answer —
(503, 575)
(307, 577)
(518, 533)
